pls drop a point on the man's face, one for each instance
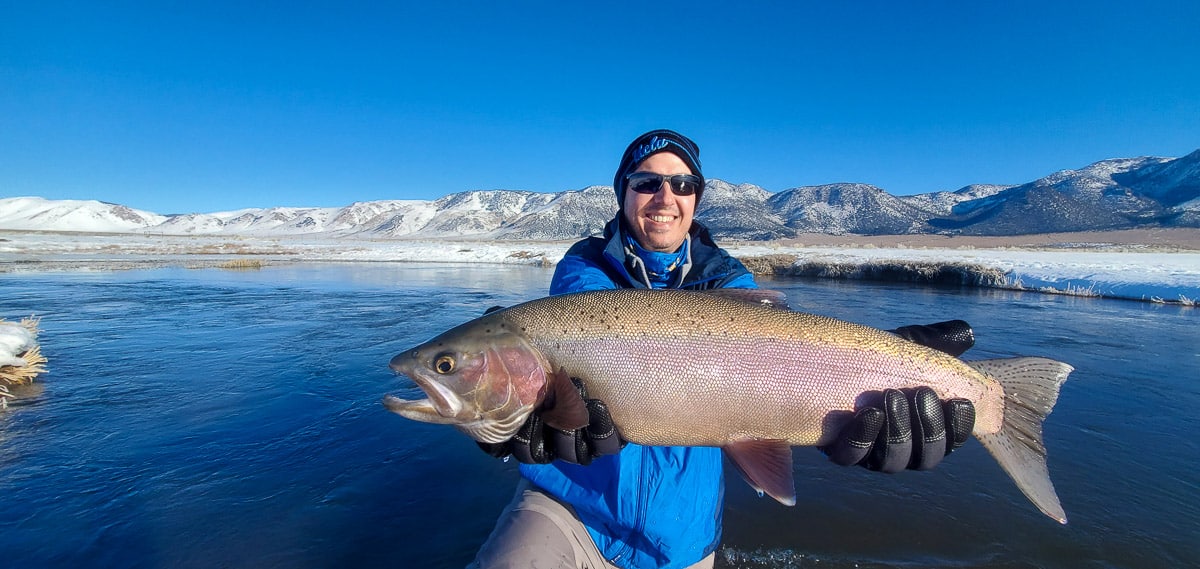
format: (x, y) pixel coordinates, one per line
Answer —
(660, 221)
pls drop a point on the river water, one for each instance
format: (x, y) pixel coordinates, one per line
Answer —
(210, 418)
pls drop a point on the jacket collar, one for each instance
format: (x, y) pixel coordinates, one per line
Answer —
(701, 249)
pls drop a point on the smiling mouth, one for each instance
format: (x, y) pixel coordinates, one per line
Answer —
(659, 218)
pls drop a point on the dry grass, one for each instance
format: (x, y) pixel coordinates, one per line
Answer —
(22, 375)
(539, 259)
(242, 264)
(893, 271)
(1183, 301)
(778, 264)
(1178, 239)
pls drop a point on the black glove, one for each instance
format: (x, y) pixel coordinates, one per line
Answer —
(881, 437)
(953, 336)
(539, 443)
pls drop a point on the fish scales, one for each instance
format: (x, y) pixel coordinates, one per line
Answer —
(715, 368)
(680, 368)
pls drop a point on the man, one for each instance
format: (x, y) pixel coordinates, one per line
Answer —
(604, 503)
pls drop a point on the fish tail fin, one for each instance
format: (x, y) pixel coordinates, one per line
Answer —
(1030, 390)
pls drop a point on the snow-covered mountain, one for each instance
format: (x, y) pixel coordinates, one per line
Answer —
(740, 212)
(74, 215)
(1110, 194)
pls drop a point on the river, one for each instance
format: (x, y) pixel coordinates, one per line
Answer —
(215, 418)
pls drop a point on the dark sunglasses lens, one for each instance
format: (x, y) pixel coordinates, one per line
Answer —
(685, 185)
(645, 183)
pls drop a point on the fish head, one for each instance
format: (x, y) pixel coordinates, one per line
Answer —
(481, 377)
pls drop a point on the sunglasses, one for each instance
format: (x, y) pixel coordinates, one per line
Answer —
(650, 183)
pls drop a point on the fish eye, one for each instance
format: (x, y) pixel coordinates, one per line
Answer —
(444, 364)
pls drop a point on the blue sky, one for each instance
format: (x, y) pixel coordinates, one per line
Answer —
(180, 107)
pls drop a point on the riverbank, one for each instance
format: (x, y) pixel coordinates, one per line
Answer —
(1158, 265)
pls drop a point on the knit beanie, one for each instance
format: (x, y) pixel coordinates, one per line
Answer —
(653, 142)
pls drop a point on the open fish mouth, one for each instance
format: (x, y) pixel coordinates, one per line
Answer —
(421, 410)
(442, 405)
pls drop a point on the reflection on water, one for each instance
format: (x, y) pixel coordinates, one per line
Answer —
(216, 418)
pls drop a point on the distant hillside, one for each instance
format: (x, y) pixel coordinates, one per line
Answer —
(1122, 193)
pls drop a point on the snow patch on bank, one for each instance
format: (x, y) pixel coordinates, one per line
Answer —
(1171, 276)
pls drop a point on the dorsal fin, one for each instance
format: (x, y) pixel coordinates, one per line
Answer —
(753, 296)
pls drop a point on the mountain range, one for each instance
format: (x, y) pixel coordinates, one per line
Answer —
(1122, 193)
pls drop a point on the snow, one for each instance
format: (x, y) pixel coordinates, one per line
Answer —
(36, 213)
(1138, 275)
(14, 341)
(1141, 274)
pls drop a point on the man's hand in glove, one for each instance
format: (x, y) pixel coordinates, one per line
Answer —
(952, 336)
(910, 429)
(538, 443)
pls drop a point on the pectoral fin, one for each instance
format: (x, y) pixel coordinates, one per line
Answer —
(766, 464)
(564, 407)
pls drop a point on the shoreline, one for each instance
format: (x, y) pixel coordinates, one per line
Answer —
(1155, 265)
(1180, 239)
(1175, 239)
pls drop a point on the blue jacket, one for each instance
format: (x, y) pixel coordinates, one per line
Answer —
(645, 506)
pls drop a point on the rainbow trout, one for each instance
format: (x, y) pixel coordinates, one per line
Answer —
(726, 368)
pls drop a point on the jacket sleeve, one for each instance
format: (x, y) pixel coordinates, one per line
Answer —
(576, 274)
(742, 281)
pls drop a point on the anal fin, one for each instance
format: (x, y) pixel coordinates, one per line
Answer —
(766, 464)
